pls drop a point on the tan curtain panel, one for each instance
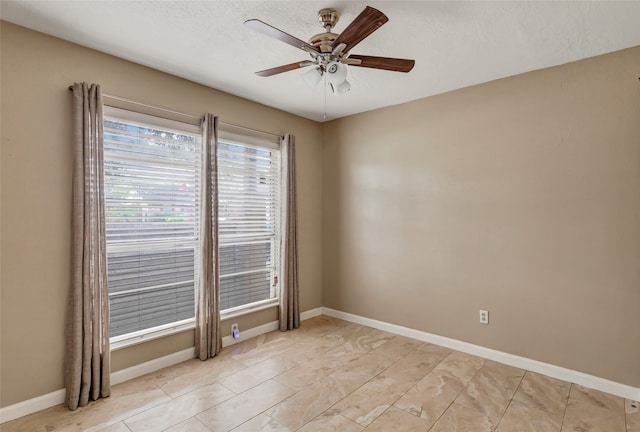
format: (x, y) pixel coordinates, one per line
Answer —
(208, 338)
(87, 363)
(289, 305)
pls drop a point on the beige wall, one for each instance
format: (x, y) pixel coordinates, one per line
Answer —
(36, 196)
(521, 196)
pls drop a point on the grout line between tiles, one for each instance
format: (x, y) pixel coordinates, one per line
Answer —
(459, 393)
(368, 381)
(198, 420)
(566, 406)
(234, 393)
(381, 414)
(511, 400)
(626, 419)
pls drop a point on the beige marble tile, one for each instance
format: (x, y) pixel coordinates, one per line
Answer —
(302, 376)
(341, 354)
(521, 417)
(41, 421)
(460, 366)
(595, 398)
(396, 347)
(432, 349)
(126, 400)
(432, 395)
(318, 368)
(417, 364)
(258, 373)
(238, 348)
(309, 350)
(632, 411)
(368, 402)
(349, 328)
(319, 326)
(239, 409)
(319, 396)
(261, 423)
(366, 339)
(266, 346)
(593, 411)
(305, 405)
(538, 405)
(190, 425)
(491, 389)
(117, 427)
(362, 369)
(543, 393)
(201, 373)
(397, 420)
(365, 404)
(177, 410)
(462, 418)
(330, 423)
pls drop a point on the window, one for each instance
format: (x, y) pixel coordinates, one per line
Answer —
(152, 173)
(249, 221)
(152, 211)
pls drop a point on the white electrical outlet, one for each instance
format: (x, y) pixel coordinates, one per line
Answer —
(484, 316)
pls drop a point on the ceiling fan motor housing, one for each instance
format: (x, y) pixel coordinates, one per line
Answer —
(324, 41)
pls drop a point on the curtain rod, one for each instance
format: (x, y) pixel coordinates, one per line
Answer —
(183, 114)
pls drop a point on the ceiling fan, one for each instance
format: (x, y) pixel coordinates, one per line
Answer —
(330, 52)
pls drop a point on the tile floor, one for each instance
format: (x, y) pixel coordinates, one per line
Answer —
(331, 375)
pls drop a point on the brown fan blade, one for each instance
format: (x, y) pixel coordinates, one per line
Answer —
(386, 63)
(275, 33)
(284, 68)
(367, 22)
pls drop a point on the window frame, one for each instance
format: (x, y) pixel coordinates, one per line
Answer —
(127, 111)
(258, 140)
(127, 114)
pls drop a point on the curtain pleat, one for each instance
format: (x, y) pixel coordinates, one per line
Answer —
(289, 304)
(208, 338)
(87, 363)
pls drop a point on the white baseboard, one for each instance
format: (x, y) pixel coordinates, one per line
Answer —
(266, 328)
(547, 369)
(20, 409)
(132, 372)
(29, 406)
(249, 333)
(310, 313)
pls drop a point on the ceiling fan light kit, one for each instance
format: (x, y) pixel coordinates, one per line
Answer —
(340, 88)
(337, 77)
(330, 52)
(312, 76)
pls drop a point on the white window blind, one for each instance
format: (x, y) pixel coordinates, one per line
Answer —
(152, 209)
(249, 222)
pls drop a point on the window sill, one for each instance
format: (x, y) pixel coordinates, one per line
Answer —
(142, 336)
(245, 310)
(130, 339)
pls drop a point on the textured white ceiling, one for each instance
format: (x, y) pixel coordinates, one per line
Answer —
(455, 44)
